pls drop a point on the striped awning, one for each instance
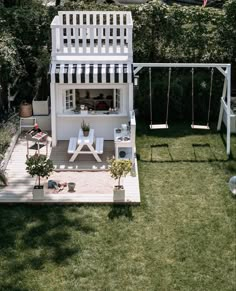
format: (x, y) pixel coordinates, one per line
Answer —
(91, 73)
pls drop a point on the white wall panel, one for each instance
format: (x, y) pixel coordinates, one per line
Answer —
(103, 125)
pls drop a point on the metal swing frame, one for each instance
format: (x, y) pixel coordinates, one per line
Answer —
(161, 125)
(198, 126)
(224, 69)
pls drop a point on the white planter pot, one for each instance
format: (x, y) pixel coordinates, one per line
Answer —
(71, 187)
(118, 194)
(38, 193)
(40, 107)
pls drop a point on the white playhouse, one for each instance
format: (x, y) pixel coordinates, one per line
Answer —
(92, 77)
(91, 72)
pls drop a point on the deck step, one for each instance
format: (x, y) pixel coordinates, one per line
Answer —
(99, 145)
(72, 145)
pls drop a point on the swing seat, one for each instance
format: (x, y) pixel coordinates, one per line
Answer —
(159, 126)
(194, 126)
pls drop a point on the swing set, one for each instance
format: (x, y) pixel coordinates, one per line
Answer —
(224, 69)
(165, 125)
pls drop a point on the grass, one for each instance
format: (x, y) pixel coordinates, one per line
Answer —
(182, 237)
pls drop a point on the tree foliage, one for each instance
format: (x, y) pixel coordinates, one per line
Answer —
(161, 33)
(24, 38)
(119, 168)
(3, 178)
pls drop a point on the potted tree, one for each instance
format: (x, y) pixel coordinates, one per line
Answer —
(41, 166)
(85, 127)
(118, 169)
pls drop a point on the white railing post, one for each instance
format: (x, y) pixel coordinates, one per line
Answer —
(54, 42)
(84, 39)
(114, 34)
(67, 18)
(130, 42)
(122, 42)
(68, 33)
(107, 39)
(76, 36)
(100, 40)
(91, 32)
(114, 39)
(61, 45)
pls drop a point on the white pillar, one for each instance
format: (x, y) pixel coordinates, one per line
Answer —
(228, 108)
(53, 114)
(131, 97)
(54, 47)
(220, 119)
(222, 100)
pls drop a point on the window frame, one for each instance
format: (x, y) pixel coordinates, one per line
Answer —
(71, 102)
(117, 89)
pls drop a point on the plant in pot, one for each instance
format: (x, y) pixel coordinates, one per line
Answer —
(41, 166)
(85, 127)
(118, 169)
(25, 109)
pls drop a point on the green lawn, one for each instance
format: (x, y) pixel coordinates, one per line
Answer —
(182, 237)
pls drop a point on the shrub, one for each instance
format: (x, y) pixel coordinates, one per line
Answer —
(3, 178)
(7, 130)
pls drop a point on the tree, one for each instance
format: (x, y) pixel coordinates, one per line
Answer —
(10, 66)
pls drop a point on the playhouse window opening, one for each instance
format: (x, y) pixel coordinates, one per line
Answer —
(93, 99)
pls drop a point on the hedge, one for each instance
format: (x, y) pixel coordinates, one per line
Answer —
(161, 33)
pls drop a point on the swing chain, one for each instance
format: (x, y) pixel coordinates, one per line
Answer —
(168, 96)
(192, 96)
(210, 95)
(150, 93)
(209, 103)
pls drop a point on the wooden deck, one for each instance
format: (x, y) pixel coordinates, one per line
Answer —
(21, 183)
(61, 158)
